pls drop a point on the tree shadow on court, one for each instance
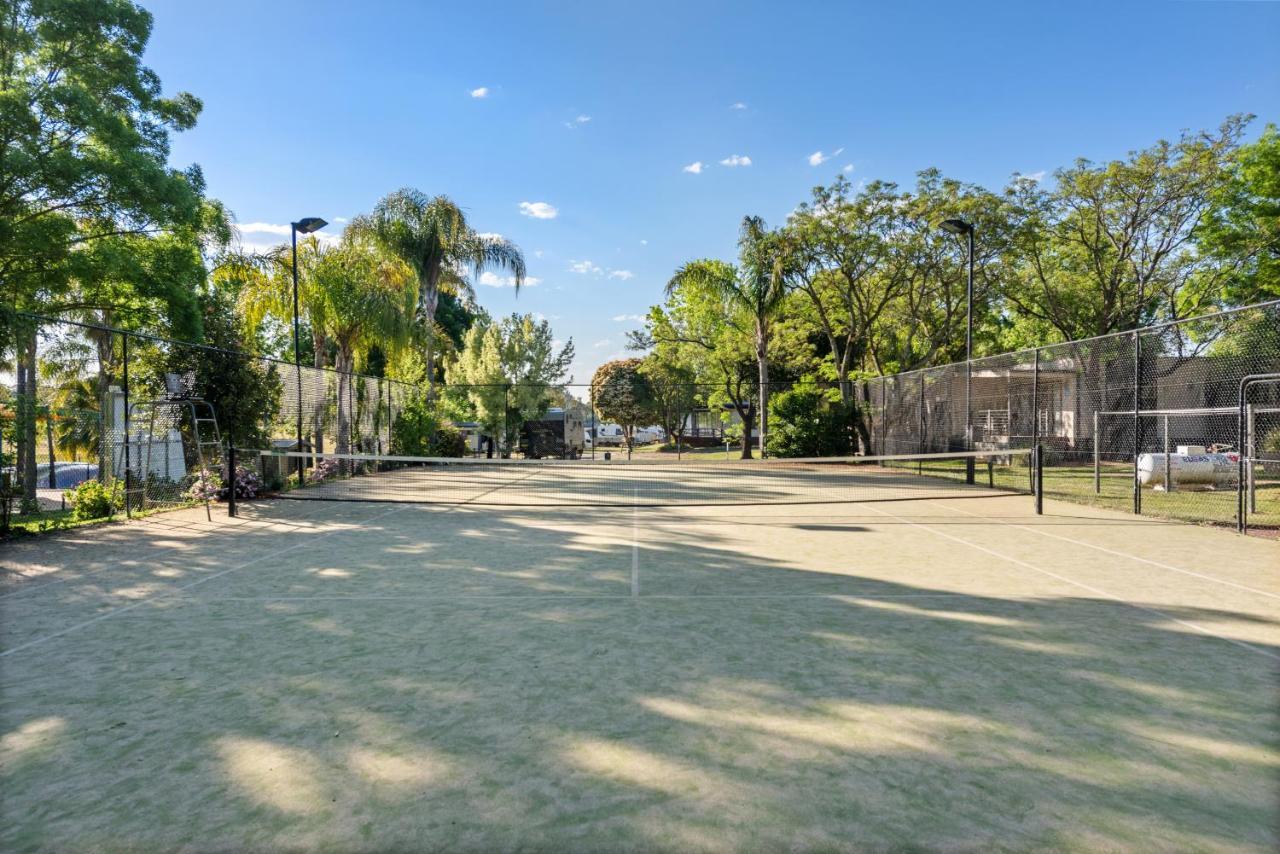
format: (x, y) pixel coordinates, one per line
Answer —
(498, 686)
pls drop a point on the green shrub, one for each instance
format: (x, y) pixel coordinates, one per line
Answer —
(418, 431)
(95, 500)
(803, 422)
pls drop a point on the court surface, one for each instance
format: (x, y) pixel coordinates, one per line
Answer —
(366, 676)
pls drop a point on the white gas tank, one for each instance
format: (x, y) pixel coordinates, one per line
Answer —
(1188, 469)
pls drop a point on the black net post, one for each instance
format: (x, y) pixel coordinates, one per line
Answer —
(1035, 410)
(231, 479)
(1039, 479)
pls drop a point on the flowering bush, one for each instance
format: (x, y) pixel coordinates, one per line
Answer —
(212, 486)
(324, 470)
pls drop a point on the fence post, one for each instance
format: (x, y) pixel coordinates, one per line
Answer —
(1035, 411)
(128, 463)
(591, 402)
(1137, 419)
(1097, 457)
(1039, 478)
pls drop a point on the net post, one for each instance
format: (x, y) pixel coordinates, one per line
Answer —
(1035, 403)
(1251, 444)
(231, 479)
(1039, 470)
(1097, 457)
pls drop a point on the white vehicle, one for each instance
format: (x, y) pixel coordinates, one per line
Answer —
(609, 434)
(648, 435)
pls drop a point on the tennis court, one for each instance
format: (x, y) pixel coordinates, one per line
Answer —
(931, 666)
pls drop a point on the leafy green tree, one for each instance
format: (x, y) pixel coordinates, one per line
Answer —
(432, 236)
(807, 422)
(674, 390)
(244, 390)
(757, 286)
(1243, 231)
(84, 173)
(622, 393)
(510, 371)
(1111, 247)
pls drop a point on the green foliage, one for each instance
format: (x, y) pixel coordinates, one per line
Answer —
(418, 431)
(623, 393)
(93, 499)
(509, 372)
(807, 422)
(1243, 234)
(244, 391)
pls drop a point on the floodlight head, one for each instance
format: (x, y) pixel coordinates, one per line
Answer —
(308, 224)
(955, 225)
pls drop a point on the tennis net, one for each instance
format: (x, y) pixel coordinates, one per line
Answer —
(647, 482)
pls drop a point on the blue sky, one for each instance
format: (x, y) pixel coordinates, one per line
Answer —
(572, 128)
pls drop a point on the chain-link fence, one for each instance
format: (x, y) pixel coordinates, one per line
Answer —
(126, 422)
(1149, 421)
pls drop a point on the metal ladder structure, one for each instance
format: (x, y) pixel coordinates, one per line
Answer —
(205, 434)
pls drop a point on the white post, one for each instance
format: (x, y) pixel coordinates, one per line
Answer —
(1168, 465)
(1250, 452)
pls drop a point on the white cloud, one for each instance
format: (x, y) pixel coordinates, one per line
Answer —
(736, 160)
(494, 281)
(584, 267)
(1035, 177)
(341, 220)
(603, 342)
(264, 228)
(621, 274)
(818, 158)
(695, 167)
(538, 210)
(737, 105)
(848, 167)
(537, 253)
(490, 235)
(644, 243)
(625, 318)
(482, 92)
(577, 122)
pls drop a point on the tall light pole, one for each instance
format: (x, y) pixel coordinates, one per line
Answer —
(955, 225)
(306, 225)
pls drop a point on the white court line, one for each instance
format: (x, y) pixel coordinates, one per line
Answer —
(1124, 555)
(1252, 648)
(179, 589)
(86, 573)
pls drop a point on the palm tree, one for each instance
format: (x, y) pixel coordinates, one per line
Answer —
(756, 285)
(368, 298)
(432, 236)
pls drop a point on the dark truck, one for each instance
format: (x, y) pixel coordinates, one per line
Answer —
(557, 435)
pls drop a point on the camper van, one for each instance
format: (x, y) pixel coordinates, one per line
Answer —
(609, 434)
(557, 435)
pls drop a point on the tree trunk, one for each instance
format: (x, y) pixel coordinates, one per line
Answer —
(26, 427)
(428, 302)
(762, 359)
(746, 432)
(345, 362)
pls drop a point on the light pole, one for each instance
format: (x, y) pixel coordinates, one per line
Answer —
(306, 225)
(955, 225)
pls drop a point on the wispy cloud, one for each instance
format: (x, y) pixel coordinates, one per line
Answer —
(621, 274)
(584, 266)
(818, 158)
(603, 342)
(341, 220)
(737, 105)
(695, 167)
(492, 280)
(1035, 177)
(538, 210)
(628, 318)
(736, 160)
(577, 122)
(490, 235)
(644, 243)
(482, 92)
(282, 230)
(848, 167)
